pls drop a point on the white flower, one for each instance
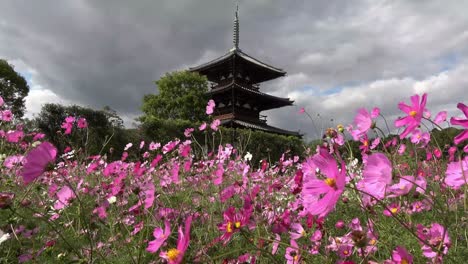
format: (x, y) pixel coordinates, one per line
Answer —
(4, 237)
(248, 157)
(112, 199)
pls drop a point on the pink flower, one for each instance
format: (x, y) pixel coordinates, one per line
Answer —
(457, 173)
(154, 146)
(160, 237)
(233, 222)
(188, 132)
(292, 253)
(461, 122)
(13, 160)
(392, 209)
(1, 101)
(37, 161)
(214, 125)
(129, 145)
(82, 123)
(322, 189)
(363, 121)
(7, 116)
(297, 231)
(65, 195)
(417, 137)
(68, 127)
(202, 126)
(437, 236)
(302, 110)
(440, 117)
(14, 136)
(415, 114)
(402, 149)
(401, 256)
(377, 175)
(176, 255)
(210, 106)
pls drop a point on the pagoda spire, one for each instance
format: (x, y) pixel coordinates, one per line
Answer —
(235, 34)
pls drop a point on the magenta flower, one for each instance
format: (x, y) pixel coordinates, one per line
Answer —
(457, 173)
(415, 113)
(401, 256)
(7, 115)
(377, 175)
(322, 189)
(82, 123)
(437, 237)
(363, 121)
(440, 117)
(176, 255)
(461, 122)
(1, 101)
(160, 237)
(210, 107)
(65, 195)
(37, 161)
(214, 125)
(293, 255)
(14, 136)
(233, 222)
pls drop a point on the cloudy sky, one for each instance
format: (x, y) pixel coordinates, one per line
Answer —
(339, 55)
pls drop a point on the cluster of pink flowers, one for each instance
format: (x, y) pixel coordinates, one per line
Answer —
(70, 120)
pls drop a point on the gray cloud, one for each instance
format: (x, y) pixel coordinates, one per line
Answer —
(339, 55)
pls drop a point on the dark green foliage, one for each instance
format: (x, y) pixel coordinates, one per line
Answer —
(103, 126)
(13, 89)
(182, 95)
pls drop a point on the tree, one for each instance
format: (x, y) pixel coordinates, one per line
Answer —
(182, 95)
(13, 88)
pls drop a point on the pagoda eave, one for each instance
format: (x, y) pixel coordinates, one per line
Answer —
(234, 122)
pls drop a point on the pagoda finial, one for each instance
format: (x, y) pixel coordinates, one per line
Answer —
(236, 29)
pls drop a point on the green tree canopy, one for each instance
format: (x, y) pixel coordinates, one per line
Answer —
(182, 95)
(13, 88)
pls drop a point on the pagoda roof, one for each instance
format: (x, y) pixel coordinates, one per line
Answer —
(260, 71)
(260, 126)
(270, 101)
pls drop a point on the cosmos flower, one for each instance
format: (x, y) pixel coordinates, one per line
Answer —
(322, 189)
(214, 125)
(401, 256)
(210, 107)
(82, 123)
(160, 237)
(176, 255)
(415, 113)
(457, 173)
(7, 115)
(461, 122)
(37, 160)
(377, 175)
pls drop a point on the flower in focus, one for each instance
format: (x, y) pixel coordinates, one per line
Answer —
(415, 113)
(363, 121)
(437, 237)
(176, 255)
(322, 189)
(37, 160)
(233, 222)
(461, 122)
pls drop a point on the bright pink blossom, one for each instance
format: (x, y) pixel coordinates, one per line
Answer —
(415, 113)
(363, 121)
(214, 125)
(7, 115)
(377, 175)
(202, 126)
(65, 195)
(1, 101)
(176, 255)
(160, 237)
(82, 123)
(322, 189)
(440, 117)
(461, 122)
(14, 136)
(293, 255)
(37, 161)
(401, 256)
(437, 237)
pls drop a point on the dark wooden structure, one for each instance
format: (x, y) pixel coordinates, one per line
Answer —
(235, 79)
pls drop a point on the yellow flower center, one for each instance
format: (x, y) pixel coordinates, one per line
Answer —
(394, 210)
(173, 253)
(229, 227)
(296, 258)
(413, 113)
(404, 261)
(330, 182)
(346, 252)
(237, 224)
(303, 233)
(366, 143)
(372, 241)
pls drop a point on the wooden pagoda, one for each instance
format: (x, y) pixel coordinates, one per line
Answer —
(235, 79)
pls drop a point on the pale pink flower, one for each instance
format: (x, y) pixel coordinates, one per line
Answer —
(457, 173)
(377, 175)
(297, 231)
(1, 101)
(65, 195)
(210, 107)
(37, 161)
(461, 122)
(202, 126)
(363, 122)
(402, 149)
(160, 237)
(214, 125)
(437, 236)
(440, 117)
(129, 145)
(415, 114)
(188, 132)
(154, 146)
(12, 161)
(302, 110)
(142, 144)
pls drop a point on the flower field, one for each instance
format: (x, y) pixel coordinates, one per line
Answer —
(404, 201)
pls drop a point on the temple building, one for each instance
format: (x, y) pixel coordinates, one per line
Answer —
(235, 87)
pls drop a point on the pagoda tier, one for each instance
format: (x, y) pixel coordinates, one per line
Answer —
(235, 79)
(249, 68)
